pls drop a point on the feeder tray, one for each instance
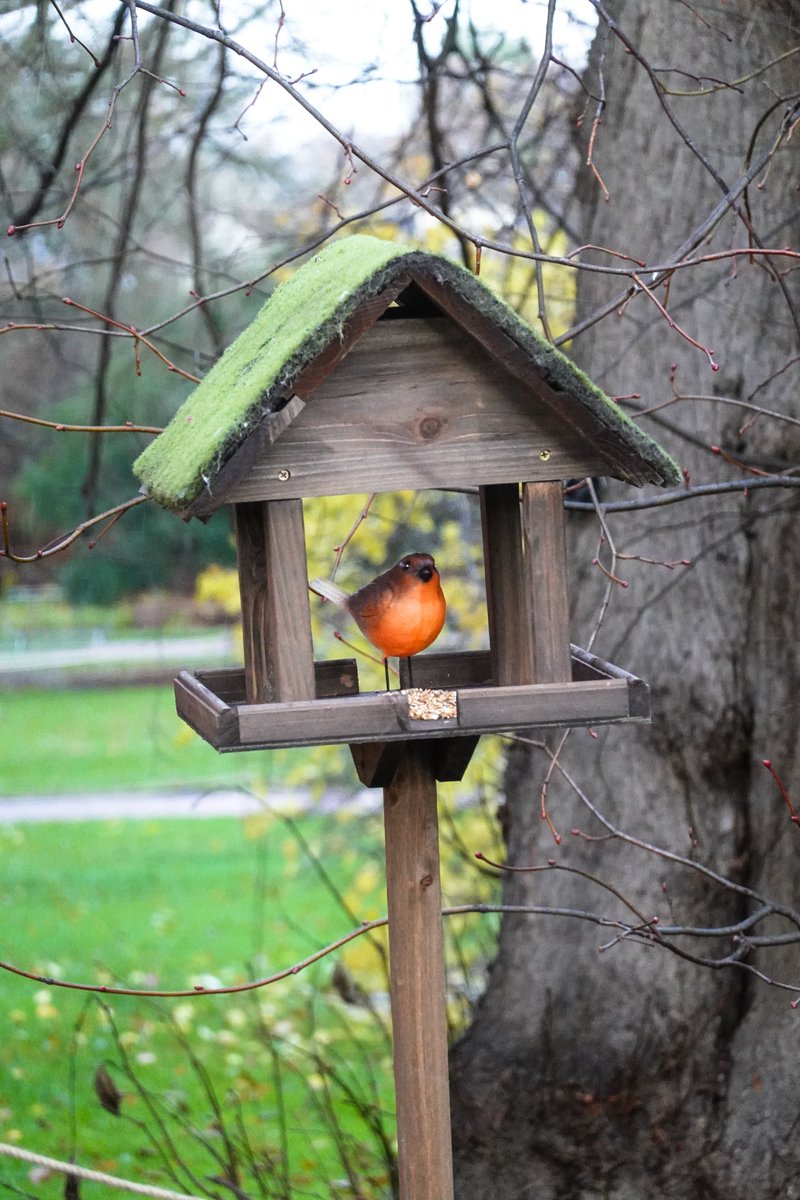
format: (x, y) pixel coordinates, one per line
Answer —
(214, 703)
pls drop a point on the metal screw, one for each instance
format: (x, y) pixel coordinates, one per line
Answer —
(544, 455)
(284, 474)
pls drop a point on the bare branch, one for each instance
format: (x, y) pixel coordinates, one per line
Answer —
(110, 516)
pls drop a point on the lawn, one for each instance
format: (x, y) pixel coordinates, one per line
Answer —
(292, 1080)
(105, 740)
(170, 904)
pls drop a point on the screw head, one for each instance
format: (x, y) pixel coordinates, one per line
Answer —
(544, 455)
(284, 474)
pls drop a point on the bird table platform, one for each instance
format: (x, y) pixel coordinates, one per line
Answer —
(378, 368)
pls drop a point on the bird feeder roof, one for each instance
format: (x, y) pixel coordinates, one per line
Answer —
(316, 315)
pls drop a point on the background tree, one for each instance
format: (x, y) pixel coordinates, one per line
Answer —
(624, 1073)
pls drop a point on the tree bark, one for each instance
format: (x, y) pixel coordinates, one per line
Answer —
(632, 1073)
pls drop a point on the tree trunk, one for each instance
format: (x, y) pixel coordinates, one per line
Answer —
(631, 1072)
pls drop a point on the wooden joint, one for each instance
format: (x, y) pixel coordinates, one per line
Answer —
(377, 762)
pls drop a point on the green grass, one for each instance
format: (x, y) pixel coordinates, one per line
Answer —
(113, 739)
(168, 904)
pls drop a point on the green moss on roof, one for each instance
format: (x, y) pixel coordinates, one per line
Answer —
(255, 374)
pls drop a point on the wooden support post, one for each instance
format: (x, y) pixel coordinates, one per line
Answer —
(509, 623)
(545, 574)
(276, 615)
(416, 968)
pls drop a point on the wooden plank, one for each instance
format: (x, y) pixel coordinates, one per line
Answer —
(639, 699)
(416, 404)
(452, 756)
(620, 459)
(586, 665)
(586, 703)
(448, 669)
(509, 620)
(473, 668)
(209, 716)
(368, 717)
(545, 578)
(376, 762)
(333, 677)
(336, 677)
(251, 553)
(417, 980)
(276, 615)
(383, 716)
(211, 702)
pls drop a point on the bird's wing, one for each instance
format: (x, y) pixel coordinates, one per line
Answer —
(372, 599)
(329, 591)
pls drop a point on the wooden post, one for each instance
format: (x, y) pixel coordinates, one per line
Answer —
(276, 615)
(509, 624)
(545, 574)
(417, 983)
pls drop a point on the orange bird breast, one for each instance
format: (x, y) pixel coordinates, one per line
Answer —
(401, 611)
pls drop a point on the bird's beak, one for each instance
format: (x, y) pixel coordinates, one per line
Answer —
(425, 573)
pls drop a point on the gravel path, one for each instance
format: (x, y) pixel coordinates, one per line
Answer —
(147, 805)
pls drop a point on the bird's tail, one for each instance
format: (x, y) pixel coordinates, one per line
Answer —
(329, 591)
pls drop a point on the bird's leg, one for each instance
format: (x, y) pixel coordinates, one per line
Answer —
(410, 680)
(386, 670)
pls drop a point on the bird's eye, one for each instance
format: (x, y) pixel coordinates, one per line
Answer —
(405, 564)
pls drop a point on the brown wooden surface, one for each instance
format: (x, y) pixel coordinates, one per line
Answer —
(209, 716)
(588, 703)
(473, 668)
(417, 982)
(368, 717)
(546, 579)
(586, 665)
(452, 756)
(448, 669)
(383, 716)
(509, 622)
(415, 404)
(620, 459)
(276, 616)
(333, 677)
(376, 762)
(348, 338)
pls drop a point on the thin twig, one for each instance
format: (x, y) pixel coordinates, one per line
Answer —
(111, 516)
(62, 427)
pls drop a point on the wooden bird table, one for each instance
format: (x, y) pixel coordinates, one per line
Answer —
(416, 377)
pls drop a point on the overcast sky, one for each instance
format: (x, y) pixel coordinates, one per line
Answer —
(346, 41)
